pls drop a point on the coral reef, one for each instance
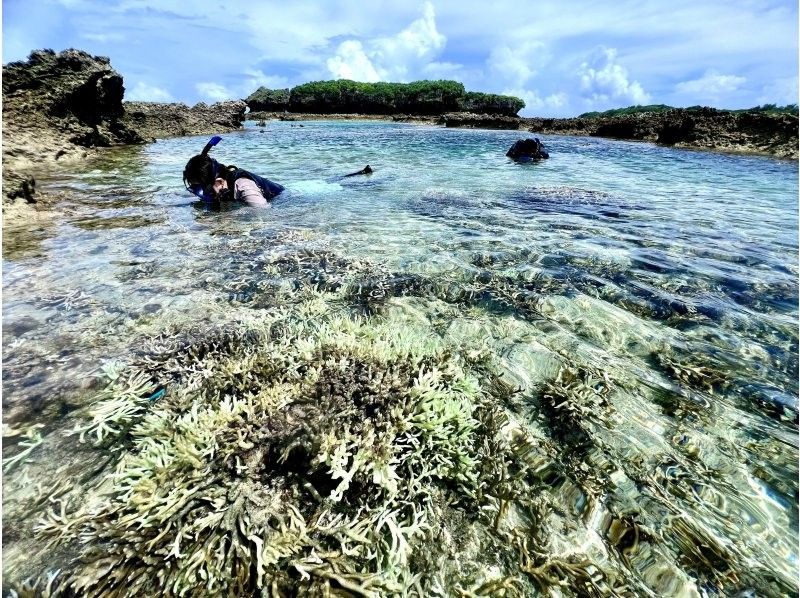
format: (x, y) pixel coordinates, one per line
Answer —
(299, 455)
(325, 442)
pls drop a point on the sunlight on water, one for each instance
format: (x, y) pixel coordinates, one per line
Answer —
(635, 309)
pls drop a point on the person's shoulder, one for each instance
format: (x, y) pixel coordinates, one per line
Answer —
(245, 183)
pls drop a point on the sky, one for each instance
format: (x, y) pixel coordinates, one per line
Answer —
(561, 57)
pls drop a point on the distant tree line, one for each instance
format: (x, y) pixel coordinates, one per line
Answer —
(344, 96)
(638, 109)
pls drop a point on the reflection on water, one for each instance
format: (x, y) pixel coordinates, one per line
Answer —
(634, 309)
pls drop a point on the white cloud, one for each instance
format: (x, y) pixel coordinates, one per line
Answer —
(104, 38)
(711, 85)
(488, 46)
(781, 91)
(518, 64)
(214, 91)
(420, 40)
(557, 100)
(391, 58)
(142, 92)
(351, 62)
(256, 78)
(444, 70)
(535, 103)
(602, 79)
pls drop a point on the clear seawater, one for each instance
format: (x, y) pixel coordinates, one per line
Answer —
(675, 271)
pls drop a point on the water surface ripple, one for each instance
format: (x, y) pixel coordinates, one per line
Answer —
(673, 272)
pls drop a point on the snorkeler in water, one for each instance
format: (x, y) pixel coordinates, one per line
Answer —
(214, 182)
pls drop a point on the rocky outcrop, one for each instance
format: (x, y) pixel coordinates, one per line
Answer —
(527, 150)
(479, 121)
(55, 105)
(60, 107)
(153, 120)
(490, 103)
(295, 116)
(17, 185)
(707, 128)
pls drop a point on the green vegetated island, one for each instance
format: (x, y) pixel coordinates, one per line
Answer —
(429, 98)
(639, 109)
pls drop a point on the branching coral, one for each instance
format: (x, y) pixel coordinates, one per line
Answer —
(335, 444)
(33, 438)
(315, 452)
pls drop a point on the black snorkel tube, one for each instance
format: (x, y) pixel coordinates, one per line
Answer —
(198, 189)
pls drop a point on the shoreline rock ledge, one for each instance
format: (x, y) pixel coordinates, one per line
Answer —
(704, 128)
(61, 107)
(153, 120)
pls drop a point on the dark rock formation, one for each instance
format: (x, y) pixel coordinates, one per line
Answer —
(707, 128)
(55, 103)
(479, 121)
(366, 170)
(293, 116)
(411, 118)
(450, 119)
(16, 185)
(59, 107)
(153, 120)
(527, 150)
(490, 103)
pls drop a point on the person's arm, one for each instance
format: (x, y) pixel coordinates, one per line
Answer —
(248, 192)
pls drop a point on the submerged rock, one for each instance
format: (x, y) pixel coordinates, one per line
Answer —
(20, 186)
(527, 150)
(366, 170)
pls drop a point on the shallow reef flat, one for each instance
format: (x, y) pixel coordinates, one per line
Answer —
(392, 438)
(459, 376)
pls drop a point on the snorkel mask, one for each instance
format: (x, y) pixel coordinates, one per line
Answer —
(205, 193)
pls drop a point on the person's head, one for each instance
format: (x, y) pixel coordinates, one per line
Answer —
(203, 176)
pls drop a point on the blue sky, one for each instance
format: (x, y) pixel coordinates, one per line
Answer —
(562, 58)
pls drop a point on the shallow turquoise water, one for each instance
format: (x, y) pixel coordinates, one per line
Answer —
(669, 233)
(675, 270)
